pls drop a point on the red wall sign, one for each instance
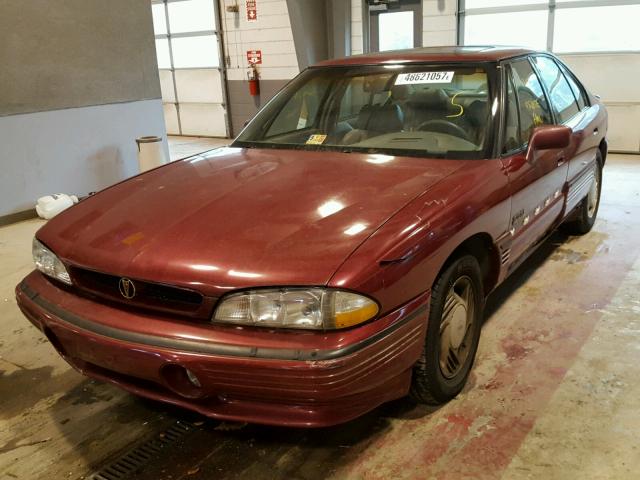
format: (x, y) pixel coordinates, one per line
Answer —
(254, 57)
(252, 11)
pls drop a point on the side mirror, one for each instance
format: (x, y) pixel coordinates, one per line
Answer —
(549, 136)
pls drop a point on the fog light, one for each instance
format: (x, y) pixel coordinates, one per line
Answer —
(192, 378)
(53, 339)
(182, 381)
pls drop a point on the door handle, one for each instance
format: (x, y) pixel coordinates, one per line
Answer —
(596, 131)
(561, 160)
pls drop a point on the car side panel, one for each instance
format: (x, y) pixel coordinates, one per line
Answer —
(536, 185)
(590, 129)
(403, 258)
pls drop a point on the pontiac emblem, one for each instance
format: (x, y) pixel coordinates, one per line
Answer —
(127, 288)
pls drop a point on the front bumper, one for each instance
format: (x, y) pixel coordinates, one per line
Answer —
(271, 377)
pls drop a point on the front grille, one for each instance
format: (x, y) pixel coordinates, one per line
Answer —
(148, 295)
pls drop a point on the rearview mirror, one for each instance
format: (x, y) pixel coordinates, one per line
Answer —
(550, 136)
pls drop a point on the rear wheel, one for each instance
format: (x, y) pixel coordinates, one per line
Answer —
(453, 331)
(586, 213)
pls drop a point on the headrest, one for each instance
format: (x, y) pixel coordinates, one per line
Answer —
(376, 83)
(477, 112)
(387, 118)
(400, 92)
(433, 99)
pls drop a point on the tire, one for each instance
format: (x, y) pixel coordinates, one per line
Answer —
(437, 378)
(585, 214)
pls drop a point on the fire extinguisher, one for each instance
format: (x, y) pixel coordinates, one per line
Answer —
(254, 81)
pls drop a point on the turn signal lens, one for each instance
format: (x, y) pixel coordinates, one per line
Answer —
(351, 309)
(47, 262)
(313, 308)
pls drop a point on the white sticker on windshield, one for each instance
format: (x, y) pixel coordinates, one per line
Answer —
(424, 77)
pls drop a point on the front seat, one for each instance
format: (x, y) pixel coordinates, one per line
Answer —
(375, 120)
(425, 105)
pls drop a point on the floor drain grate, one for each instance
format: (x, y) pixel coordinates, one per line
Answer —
(128, 463)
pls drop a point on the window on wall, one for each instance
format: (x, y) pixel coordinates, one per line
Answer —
(188, 54)
(615, 28)
(191, 16)
(506, 29)
(396, 32)
(159, 19)
(395, 25)
(501, 3)
(577, 25)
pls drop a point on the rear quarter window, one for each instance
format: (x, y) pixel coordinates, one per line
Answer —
(578, 90)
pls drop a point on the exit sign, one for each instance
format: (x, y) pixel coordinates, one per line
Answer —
(252, 11)
(254, 57)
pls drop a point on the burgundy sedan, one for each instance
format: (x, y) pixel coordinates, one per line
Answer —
(338, 254)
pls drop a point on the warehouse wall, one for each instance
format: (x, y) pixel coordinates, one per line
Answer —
(439, 23)
(357, 36)
(78, 84)
(272, 34)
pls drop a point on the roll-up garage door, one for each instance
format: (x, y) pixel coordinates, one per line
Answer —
(190, 66)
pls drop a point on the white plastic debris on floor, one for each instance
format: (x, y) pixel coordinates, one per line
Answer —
(51, 205)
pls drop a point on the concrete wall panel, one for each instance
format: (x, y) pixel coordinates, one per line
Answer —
(78, 84)
(75, 53)
(73, 151)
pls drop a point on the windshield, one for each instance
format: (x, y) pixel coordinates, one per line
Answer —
(425, 110)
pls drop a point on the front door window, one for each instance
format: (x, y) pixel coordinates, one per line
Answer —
(532, 103)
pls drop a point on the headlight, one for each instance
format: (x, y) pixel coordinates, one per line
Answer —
(48, 263)
(312, 308)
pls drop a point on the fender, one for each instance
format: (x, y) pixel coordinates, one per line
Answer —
(412, 247)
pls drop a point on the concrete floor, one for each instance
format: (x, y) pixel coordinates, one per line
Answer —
(554, 393)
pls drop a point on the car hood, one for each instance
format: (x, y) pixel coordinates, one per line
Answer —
(235, 218)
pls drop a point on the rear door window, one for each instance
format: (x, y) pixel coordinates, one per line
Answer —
(562, 98)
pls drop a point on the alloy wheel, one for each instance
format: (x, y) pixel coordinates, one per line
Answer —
(458, 316)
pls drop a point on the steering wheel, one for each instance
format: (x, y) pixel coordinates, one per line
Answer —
(444, 126)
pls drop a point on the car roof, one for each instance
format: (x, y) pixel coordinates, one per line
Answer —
(480, 53)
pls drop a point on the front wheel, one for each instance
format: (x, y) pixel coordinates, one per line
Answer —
(453, 332)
